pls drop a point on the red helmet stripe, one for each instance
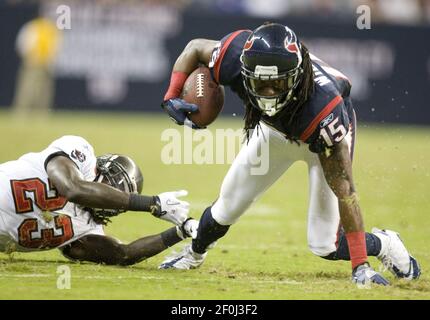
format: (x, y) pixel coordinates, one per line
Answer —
(248, 44)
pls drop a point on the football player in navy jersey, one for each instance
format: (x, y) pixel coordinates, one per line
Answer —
(302, 108)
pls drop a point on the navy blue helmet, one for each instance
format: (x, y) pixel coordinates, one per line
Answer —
(271, 66)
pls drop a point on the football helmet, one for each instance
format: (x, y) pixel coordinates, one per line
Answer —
(120, 172)
(271, 66)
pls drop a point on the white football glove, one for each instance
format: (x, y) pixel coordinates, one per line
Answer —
(188, 229)
(171, 209)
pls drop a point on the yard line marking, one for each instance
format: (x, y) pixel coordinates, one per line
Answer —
(245, 279)
(31, 275)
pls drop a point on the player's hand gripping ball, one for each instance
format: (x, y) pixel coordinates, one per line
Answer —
(200, 89)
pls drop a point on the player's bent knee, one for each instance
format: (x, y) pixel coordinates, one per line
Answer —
(322, 251)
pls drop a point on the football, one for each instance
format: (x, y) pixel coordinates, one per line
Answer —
(202, 90)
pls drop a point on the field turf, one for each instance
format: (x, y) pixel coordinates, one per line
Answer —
(265, 255)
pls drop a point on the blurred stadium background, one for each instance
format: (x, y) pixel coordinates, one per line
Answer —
(104, 78)
(118, 54)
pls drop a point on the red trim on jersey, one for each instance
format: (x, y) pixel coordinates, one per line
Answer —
(224, 48)
(324, 113)
(177, 81)
(357, 247)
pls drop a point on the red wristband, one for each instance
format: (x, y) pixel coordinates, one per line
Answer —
(177, 81)
(357, 247)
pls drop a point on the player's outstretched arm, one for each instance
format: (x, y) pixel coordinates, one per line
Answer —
(337, 167)
(68, 181)
(107, 250)
(197, 51)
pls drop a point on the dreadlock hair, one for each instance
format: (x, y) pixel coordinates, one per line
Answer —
(301, 94)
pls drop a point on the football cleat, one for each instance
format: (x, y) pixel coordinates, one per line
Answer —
(184, 260)
(395, 257)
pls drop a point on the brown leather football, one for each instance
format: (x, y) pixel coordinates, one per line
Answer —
(202, 90)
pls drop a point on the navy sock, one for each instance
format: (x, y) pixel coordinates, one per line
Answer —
(373, 245)
(209, 231)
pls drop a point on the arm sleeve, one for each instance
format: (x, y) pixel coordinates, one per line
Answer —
(79, 151)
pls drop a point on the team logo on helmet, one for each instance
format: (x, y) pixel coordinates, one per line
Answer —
(249, 43)
(291, 41)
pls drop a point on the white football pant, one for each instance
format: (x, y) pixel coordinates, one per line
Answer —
(243, 185)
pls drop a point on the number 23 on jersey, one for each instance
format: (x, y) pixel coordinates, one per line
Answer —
(29, 227)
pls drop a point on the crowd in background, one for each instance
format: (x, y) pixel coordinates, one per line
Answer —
(118, 54)
(385, 11)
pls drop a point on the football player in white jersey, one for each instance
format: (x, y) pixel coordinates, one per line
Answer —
(62, 196)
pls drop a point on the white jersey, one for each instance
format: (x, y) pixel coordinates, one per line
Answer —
(32, 215)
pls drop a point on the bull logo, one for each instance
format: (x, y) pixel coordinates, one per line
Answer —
(291, 41)
(249, 43)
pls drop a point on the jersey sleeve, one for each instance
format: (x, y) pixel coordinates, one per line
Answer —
(225, 62)
(329, 127)
(79, 151)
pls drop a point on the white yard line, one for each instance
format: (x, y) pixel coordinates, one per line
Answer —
(284, 281)
(31, 275)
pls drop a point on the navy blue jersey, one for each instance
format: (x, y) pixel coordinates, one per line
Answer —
(325, 118)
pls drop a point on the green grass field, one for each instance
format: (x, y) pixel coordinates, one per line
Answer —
(265, 255)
